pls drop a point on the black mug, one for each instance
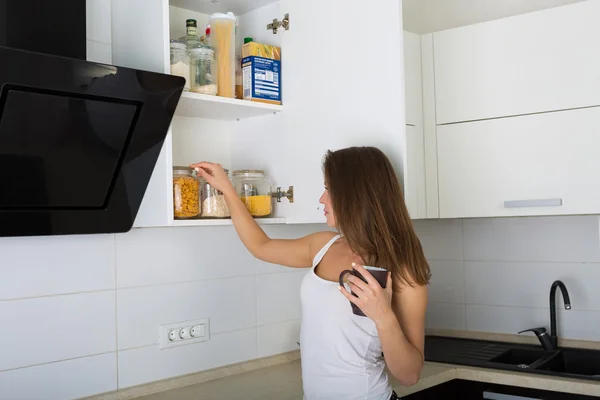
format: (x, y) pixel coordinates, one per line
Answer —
(379, 274)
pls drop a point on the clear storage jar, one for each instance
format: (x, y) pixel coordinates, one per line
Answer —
(213, 201)
(222, 39)
(254, 188)
(186, 193)
(204, 74)
(180, 61)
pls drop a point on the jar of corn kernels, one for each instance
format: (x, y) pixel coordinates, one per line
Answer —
(186, 193)
(255, 191)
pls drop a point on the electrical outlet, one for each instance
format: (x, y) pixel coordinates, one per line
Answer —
(182, 333)
(198, 330)
(173, 335)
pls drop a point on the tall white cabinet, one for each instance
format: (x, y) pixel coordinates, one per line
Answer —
(342, 86)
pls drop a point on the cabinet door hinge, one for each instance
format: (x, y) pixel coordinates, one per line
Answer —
(280, 194)
(276, 24)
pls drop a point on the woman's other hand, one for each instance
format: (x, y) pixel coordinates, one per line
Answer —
(215, 175)
(374, 301)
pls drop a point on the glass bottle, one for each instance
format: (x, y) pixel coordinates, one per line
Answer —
(191, 37)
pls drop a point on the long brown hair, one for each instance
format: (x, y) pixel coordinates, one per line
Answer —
(370, 212)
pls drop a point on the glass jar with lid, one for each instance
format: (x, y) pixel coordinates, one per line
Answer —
(203, 70)
(254, 189)
(180, 61)
(186, 193)
(213, 201)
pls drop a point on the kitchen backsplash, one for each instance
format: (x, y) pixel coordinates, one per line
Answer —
(81, 314)
(494, 275)
(101, 299)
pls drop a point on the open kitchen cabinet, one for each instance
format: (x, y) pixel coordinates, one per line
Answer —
(342, 85)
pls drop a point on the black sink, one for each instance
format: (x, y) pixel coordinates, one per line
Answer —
(574, 362)
(567, 362)
(523, 358)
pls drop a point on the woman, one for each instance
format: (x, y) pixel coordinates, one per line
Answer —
(344, 355)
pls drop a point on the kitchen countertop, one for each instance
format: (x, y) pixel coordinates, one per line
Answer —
(284, 382)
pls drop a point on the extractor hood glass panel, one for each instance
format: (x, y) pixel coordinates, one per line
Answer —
(65, 151)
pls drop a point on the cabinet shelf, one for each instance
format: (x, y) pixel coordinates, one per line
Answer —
(225, 222)
(222, 108)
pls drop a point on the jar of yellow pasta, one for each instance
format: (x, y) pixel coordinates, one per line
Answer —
(186, 193)
(254, 189)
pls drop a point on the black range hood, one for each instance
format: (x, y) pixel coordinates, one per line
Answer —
(78, 142)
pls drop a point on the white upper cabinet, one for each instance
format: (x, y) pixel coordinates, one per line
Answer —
(536, 62)
(341, 86)
(543, 164)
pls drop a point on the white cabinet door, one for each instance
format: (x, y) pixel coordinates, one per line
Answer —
(414, 177)
(542, 61)
(412, 79)
(342, 86)
(544, 164)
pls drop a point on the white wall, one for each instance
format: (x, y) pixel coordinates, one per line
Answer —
(494, 275)
(98, 31)
(80, 315)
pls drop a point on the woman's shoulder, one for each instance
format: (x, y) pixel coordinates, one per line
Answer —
(320, 240)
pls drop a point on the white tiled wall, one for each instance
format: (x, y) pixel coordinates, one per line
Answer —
(100, 299)
(494, 275)
(98, 31)
(80, 315)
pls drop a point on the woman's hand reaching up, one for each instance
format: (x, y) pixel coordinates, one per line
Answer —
(215, 175)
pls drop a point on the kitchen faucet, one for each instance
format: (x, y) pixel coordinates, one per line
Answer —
(567, 302)
(551, 342)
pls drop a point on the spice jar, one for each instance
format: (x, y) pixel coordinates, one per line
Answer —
(255, 191)
(180, 61)
(203, 70)
(213, 201)
(186, 193)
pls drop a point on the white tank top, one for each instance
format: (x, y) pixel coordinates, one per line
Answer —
(341, 352)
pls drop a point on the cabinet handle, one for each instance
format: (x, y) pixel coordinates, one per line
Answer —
(533, 203)
(500, 396)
